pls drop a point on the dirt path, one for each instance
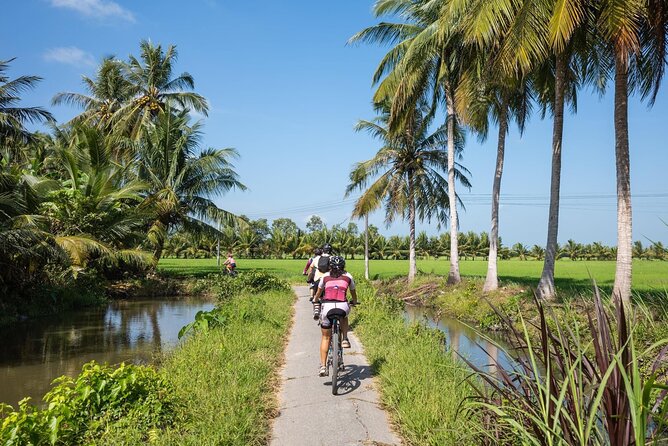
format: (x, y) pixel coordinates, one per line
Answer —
(309, 414)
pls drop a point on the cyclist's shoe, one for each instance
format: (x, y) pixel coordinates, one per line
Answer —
(341, 367)
(310, 299)
(323, 371)
(316, 311)
(345, 343)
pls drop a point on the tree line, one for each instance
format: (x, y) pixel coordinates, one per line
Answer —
(283, 239)
(100, 194)
(490, 63)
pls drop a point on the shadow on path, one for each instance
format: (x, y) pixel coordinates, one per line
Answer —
(351, 378)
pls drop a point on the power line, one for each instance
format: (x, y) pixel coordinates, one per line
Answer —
(522, 200)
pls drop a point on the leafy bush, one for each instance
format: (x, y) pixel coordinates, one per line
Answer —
(252, 282)
(204, 320)
(82, 408)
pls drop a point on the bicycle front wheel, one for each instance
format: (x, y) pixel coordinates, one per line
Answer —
(336, 346)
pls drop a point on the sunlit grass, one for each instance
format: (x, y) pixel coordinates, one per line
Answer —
(647, 275)
(226, 377)
(421, 386)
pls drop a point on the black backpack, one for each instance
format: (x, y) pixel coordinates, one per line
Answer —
(323, 264)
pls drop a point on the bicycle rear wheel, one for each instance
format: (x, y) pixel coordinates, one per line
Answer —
(336, 345)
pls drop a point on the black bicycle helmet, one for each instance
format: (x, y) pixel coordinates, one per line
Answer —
(327, 248)
(337, 263)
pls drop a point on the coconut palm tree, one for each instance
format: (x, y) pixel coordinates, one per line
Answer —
(180, 181)
(154, 89)
(13, 117)
(549, 42)
(538, 252)
(406, 174)
(598, 250)
(572, 249)
(636, 34)
(639, 250)
(24, 244)
(96, 197)
(425, 65)
(108, 91)
(658, 251)
(499, 99)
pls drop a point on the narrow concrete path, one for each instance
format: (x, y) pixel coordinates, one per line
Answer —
(309, 414)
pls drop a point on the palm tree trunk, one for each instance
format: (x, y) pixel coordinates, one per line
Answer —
(546, 289)
(622, 287)
(492, 279)
(366, 246)
(453, 275)
(157, 252)
(412, 265)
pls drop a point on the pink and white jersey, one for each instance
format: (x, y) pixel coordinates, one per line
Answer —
(335, 288)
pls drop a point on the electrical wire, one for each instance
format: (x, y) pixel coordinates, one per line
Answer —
(572, 202)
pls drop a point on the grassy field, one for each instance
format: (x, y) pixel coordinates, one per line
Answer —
(648, 276)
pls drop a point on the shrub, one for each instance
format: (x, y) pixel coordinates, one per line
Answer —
(80, 409)
(252, 282)
(204, 320)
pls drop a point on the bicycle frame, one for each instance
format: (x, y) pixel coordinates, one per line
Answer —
(335, 353)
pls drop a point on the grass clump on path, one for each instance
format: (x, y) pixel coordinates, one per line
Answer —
(226, 377)
(422, 385)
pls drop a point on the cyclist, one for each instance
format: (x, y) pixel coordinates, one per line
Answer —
(332, 289)
(309, 271)
(320, 268)
(230, 264)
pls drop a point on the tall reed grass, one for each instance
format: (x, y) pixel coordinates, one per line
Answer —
(564, 391)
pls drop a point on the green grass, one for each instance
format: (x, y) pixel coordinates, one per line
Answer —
(421, 386)
(648, 276)
(226, 377)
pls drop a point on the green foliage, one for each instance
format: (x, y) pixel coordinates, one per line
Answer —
(250, 282)
(81, 409)
(13, 117)
(204, 320)
(92, 194)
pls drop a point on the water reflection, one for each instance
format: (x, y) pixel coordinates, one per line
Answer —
(463, 340)
(33, 353)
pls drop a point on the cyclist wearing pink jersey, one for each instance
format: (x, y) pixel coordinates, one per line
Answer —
(332, 290)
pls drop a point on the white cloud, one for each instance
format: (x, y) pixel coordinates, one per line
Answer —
(100, 9)
(70, 55)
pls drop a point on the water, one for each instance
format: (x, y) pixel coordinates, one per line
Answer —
(466, 341)
(34, 353)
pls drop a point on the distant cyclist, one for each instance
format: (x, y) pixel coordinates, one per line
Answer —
(332, 291)
(230, 264)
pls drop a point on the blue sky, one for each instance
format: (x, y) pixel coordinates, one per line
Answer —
(286, 90)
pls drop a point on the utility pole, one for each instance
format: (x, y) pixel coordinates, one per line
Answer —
(366, 246)
(218, 247)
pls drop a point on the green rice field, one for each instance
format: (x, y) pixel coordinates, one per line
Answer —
(648, 276)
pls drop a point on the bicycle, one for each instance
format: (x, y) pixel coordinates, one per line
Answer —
(229, 272)
(335, 351)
